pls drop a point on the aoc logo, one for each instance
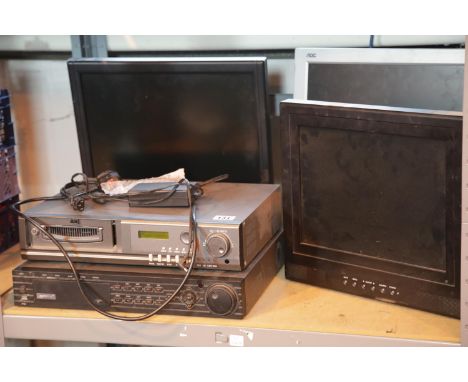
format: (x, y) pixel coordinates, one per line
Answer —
(311, 55)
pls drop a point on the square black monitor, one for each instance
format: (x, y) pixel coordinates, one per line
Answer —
(372, 201)
(147, 117)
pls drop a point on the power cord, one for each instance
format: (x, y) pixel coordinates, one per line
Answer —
(78, 198)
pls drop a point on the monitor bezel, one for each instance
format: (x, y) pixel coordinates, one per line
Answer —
(313, 265)
(305, 56)
(255, 65)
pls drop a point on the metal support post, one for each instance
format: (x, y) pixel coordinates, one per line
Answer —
(89, 46)
(2, 333)
(464, 246)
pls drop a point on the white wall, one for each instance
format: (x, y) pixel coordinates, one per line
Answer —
(225, 42)
(35, 43)
(169, 43)
(47, 143)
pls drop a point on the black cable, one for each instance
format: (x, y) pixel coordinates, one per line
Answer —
(103, 196)
(371, 41)
(218, 178)
(164, 198)
(77, 199)
(193, 246)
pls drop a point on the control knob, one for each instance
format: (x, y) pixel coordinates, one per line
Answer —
(218, 244)
(221, 299)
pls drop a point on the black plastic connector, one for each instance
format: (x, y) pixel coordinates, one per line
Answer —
(78, 203)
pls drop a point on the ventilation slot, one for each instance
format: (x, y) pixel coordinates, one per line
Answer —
(74, 234)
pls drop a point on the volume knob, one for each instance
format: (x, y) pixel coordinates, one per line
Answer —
(218, 244)
(221, 299)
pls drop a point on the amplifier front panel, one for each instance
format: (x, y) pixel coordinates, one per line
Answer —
(165, 244)
(129, 293)
(159, 244)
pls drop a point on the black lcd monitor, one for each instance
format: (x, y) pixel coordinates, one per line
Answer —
(147, 117)
(372, 201)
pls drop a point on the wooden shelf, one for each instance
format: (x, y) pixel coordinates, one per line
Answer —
(292, 306)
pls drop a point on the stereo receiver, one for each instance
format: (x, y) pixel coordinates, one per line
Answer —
(234, 222)
(51, 284)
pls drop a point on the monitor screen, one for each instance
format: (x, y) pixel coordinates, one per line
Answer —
(375, 194)
(421, 86)
(418, 78)
(145, 119)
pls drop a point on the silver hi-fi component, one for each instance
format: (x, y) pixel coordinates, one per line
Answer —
(234, 222)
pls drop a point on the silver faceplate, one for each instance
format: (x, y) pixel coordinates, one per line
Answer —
(248, 215)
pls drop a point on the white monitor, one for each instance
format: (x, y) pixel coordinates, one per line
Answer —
(415, 78)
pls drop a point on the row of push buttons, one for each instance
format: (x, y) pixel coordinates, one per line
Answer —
(136, 288)
(382, 289)
(163, 258)
(130, 300)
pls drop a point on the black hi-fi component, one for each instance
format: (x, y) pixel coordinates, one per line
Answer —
(8, 173)
(9, 189)
(7, 137)
(142, 289)
(8, 225)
